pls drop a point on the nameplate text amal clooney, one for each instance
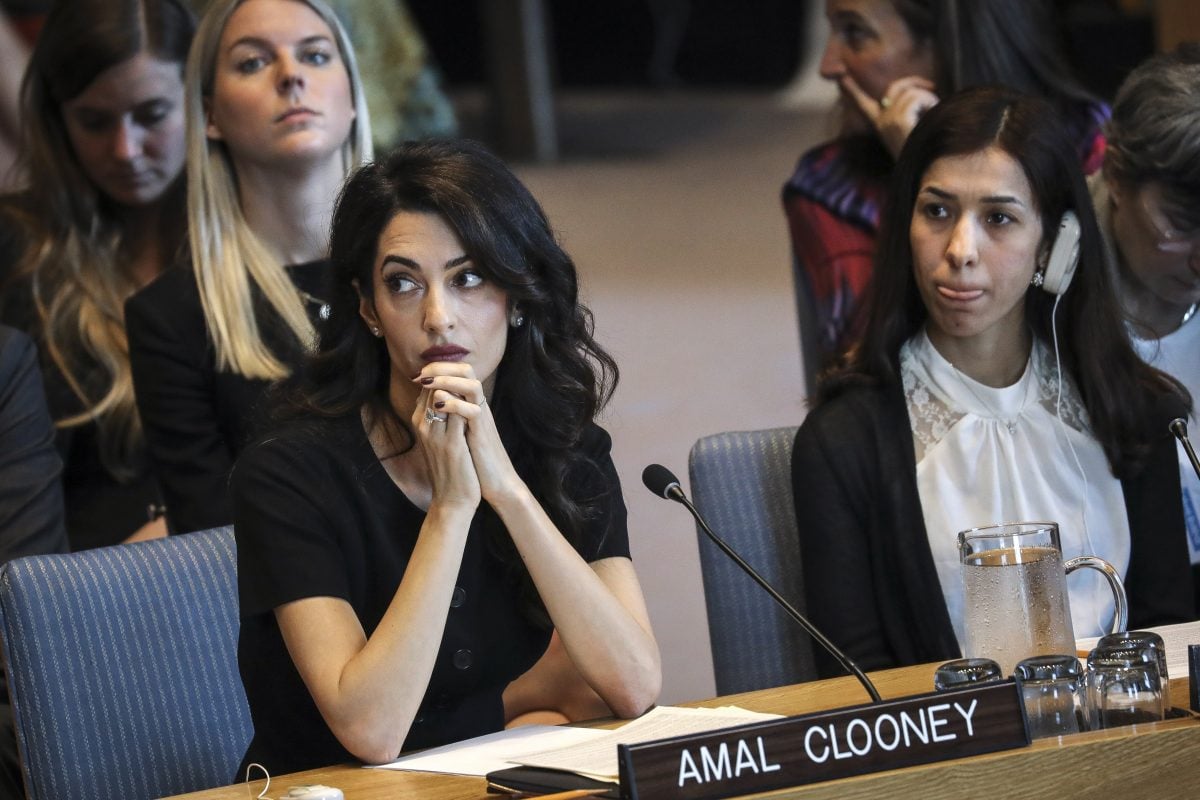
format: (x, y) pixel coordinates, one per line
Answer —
(831, 744)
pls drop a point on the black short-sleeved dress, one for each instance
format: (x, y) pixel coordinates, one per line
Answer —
(317, 515)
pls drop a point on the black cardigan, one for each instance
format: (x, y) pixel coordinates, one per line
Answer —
(31, 499)
(196, 418)
(869, 576)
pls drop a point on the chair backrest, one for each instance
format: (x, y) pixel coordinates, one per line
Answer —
(742, 484)
(122, 668)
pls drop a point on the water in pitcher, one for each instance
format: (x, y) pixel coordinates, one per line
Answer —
(1016, 605)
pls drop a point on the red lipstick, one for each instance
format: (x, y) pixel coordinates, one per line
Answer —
(445, 352)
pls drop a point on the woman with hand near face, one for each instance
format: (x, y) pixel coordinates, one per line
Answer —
(276, 121)
(977, 397)
(438, 497)
(102, 110)
(1147, 201)
(892, 60)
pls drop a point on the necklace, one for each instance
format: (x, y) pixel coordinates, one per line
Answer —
(1010, 423)
(322, 306)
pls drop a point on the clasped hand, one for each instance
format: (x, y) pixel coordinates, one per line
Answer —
(462, 448)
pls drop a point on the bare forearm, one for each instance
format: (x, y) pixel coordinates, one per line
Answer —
(599, 613)
(372, 699)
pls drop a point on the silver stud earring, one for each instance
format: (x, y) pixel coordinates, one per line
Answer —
(375, 331)
(1038, 278)
(516, 319)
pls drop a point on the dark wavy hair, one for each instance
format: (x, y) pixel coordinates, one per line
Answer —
(553, 378)
(1010, 42)
(1118, 390)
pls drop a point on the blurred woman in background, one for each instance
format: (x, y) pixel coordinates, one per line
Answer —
(1147, 201)
(103, 132)
(892, 60)
(275, 122)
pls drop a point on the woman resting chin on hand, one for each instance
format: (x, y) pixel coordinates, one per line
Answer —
(437, 498)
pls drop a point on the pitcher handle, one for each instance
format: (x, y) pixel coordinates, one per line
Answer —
(1114, 582)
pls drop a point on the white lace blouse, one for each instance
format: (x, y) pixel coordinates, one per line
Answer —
(987, 455)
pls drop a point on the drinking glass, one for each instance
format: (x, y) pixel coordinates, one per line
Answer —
(1123, 685)
(1154, 642)
(966, 671)
(1051, 690)
(1015, 587)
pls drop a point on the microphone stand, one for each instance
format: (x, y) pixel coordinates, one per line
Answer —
(1179, 428)
(673, 492)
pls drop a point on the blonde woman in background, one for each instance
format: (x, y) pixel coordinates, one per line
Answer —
(103, 144)
(400, 78)
(276, 121)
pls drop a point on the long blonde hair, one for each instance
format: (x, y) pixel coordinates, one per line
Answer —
(75, 240)
(227, 257)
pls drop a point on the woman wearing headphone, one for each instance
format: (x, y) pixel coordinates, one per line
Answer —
(994, 383)
(892, 61)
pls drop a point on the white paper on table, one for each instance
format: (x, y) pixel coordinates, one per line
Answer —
(492, 752)
(1176, 638)
(597, 758)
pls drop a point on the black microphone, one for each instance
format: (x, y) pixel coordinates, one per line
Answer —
(663, 483)
(1179, 428)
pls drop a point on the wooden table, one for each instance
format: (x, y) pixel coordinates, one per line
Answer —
(1162, 760)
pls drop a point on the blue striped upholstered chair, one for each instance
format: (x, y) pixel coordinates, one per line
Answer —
(122, 668)
(742, 484)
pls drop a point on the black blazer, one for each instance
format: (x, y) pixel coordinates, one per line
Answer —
(196, 418)
(31, 500)
(869, 577)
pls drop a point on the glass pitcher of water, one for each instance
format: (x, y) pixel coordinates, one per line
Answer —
(1015, 585)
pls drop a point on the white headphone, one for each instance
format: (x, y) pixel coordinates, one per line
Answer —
(1064, 256)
